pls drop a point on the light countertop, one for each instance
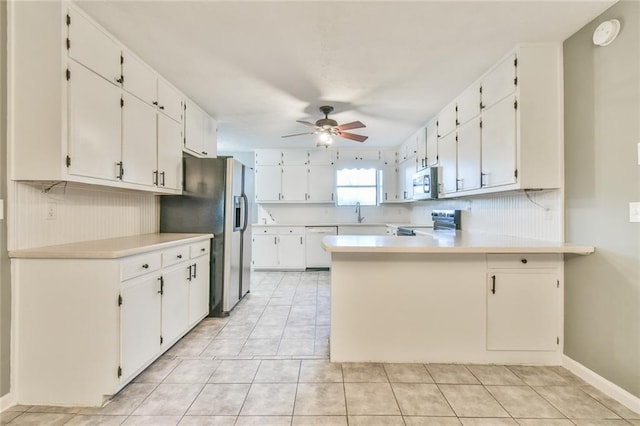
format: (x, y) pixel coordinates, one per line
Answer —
(394, 225)
(111, 248)
(447, 242)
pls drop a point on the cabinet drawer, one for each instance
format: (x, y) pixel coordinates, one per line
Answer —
(139, 265)
(174, 255)
(263, 230)
(200, 249)
(523, 261)
(291, 230)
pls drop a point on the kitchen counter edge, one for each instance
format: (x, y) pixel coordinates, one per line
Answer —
(461, 243)
(111, 248)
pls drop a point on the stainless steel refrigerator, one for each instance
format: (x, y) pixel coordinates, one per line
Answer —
(216, 199)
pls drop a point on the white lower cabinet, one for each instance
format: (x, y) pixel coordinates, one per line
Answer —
(175, 303)
(523, 302)
(101, 321)
(278, 248)
(139, 324)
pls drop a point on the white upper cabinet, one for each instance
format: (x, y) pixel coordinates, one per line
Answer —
(469, 155)
(294, 183)
(447, 120)
(94, 125)
(295, 157)
(138, 78)
(268, 157)
(321, 181)
(268, 183)
(193, 128)
(355, 154)
(169, 100)
(92, 47)
(322, 157)
(469, 103)
(139, 141)
(169, 172)
(389, 157)
(389, 187)
(432, 143)
(98, 123)
(421, 149)
(499, 144)
(447, 152)
(210, 142)
(500, 81)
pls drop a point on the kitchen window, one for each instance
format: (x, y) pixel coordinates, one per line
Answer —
(357, 186)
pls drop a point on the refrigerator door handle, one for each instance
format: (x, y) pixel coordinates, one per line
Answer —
(246, 211)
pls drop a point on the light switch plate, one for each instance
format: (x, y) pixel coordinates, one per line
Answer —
(634, 212)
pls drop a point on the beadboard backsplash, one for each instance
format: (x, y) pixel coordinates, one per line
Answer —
(318, 213)
(81, 214)
(535, 214)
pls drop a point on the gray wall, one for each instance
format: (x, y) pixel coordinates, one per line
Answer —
(602, 130)
(5, 279)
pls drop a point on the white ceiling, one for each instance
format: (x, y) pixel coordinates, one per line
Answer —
(259, 66)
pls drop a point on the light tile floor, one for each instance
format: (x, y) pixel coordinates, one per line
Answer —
(267, 364)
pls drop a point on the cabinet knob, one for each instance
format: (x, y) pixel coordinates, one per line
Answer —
(161, 107)
(202, 249)
(145, 266)
(155, 103)
(523, 260)
(179, 256)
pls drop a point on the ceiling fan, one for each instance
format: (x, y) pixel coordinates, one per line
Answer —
(325, 128)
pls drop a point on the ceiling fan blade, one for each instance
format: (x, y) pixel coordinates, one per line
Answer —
(352, 125)
(299, 134)
(306, 123)
(352, 136)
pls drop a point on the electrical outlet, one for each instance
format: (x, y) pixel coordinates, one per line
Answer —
(634, 212)
(52, 211)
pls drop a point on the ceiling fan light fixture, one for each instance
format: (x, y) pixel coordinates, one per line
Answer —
(325, 138)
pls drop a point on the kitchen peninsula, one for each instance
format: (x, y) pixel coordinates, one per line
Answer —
(447, 297)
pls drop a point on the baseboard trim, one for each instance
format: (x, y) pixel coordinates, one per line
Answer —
(7, 401)
(605, 386)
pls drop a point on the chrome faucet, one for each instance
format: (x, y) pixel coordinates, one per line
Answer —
(360, 218)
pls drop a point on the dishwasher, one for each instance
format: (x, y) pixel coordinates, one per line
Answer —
(316, 256)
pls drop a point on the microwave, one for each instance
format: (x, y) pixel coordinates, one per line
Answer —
(425, 184)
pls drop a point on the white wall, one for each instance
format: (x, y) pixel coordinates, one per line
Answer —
(507, 214)
(326, 213)
(82, 213)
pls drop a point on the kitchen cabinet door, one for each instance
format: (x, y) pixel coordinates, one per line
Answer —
(94, 125)
(169, 100)
(369, 154)
(291, 251)
(389, 187)
(175, 303)
(138, 78)
(322, 157)
(522, 311)
(406, 170)
(389, 157)
(199, 290)
(499, 82)
(295, 157)
(93, 48)
(432, 144)
(268, 183)
(447, 120)
(139, 324)
(321, 183)
(294, 183)
(268, 157)
(264, 251)
(447, 153)
(469, 155)
(469, 103)
(210, 147)
(499, 144)
(421, 149)
(193, 128)
(169, 153)
(139, 141)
